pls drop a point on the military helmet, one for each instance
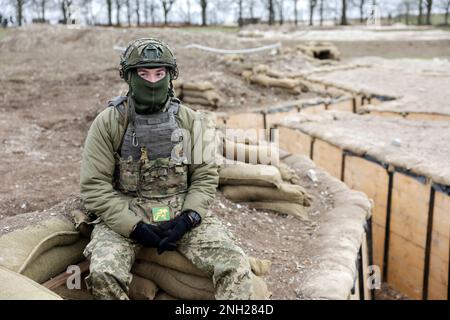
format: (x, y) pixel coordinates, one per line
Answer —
(147, 52)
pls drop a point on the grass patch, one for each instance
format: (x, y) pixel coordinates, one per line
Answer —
(3, 32)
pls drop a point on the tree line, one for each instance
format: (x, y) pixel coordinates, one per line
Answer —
(151, 12)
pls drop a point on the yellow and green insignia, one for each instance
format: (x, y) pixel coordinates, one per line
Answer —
(161, 214)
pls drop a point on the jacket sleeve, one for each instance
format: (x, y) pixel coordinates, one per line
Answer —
(96, 177)
(203, 174)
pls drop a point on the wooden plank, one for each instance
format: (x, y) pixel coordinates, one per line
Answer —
(246, 120)
(294, 141)
(386, 114)
(358, 102)
(405, 271)
(408, 230)
(439, 255)
(328, 157)
(365, 265)
(313, 109)
(372, 179)
(346, 105)
(277, 117)
(427, 116)
(62, 278)
(409, 214)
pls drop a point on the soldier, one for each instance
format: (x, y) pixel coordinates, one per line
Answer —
(141, 181)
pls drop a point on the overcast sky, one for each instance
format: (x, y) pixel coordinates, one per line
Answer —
(219, 11)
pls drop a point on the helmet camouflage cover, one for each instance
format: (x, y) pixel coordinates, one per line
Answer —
(148, 52)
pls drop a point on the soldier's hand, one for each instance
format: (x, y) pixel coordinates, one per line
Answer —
(148, 235)
(178, 226)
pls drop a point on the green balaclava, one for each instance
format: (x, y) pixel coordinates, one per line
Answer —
(149, 97)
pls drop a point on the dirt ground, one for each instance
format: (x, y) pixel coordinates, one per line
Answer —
(55, 80)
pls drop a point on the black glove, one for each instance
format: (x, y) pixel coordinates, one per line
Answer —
(178, 226)
(149, 235)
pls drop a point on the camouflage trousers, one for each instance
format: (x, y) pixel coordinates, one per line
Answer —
(210, 247)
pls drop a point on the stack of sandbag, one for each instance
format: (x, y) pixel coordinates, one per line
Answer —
(261, 186)
(202, 93)
(319, 50)
(178, 278)
(40, 245)
(264, 76)
(177, 88)
(14, 286)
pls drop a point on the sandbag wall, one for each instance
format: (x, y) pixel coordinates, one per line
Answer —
(410, 225)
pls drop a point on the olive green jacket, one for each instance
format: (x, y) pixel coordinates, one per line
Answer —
(98, 165)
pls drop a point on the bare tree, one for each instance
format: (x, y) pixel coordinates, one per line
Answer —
(153, 7)
(240, 11)
(128, 5)
(271, 9)
(41, 5)
(280, 7)
(251, 8)
(109, 9)
(118, 7)
(321, 12)
(167, 6)
(420, 18)
(312, 6)
(406, 4)
(137, 8)
(429, 4)
(446, 5)
(204, 6)
(19, 4)
(344, 21)
(295, 12)
(65, 9)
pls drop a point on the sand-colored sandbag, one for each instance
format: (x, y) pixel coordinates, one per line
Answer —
(177, 84)
(254, 154)
(293, 209)
(210, 95)
(259, 267)
(200, 101)
(55, 261)
(286, 192)
(198, 86)
(164, 296)
(31, 234)
(250, 175)
(142, 288)
(261, 79)
(14, 286)
(260, 68)
(176, 283)
(247, 75)
(287, 173)
(170, 259)
(185, 286)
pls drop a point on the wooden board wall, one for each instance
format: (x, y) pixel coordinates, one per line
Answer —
(408, 232)
(328, 157)
(294, 141)
(372, 179)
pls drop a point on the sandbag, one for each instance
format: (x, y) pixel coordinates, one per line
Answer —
(14, 286)
(164, 296)
(288, 174)
(194, 100)
(176, 283)
(250, 175)
(209, 95)
(286, 192)
(176, 261)
(185, 286)
(198, 86)
(259, 267)
(248, 153)
(293, 209)
(142, 288)
(31, 234)
(55, 261)
(170, 259)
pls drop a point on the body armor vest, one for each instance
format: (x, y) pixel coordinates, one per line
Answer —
(151, 163)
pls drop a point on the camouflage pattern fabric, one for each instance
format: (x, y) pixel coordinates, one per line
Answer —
(210, 247)
(111, 257)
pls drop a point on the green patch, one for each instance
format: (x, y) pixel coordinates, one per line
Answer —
(161, 214)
